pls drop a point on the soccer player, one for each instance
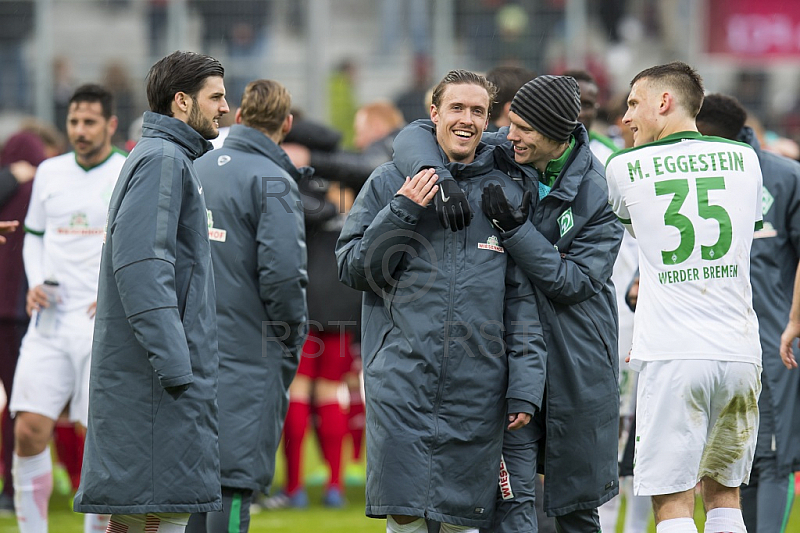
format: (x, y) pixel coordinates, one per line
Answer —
(567, 250)
(452, 345)
(151, 454)
(258, 248)
(692, 202)
(64, 237)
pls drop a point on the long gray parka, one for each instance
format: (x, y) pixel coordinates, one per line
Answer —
(149, 450)
(773, 259)
(567, 249)
(450, 340)
(258, 248)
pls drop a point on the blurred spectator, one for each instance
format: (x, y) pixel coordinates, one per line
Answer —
(413, 15)
(771, 141)
(7, 226)
(375, 126)
(239, 30)
(16, 22)
(19, 158)
(342, 100)
(508, 80)
(157, 19)
(63, 86)
(750, 88)
(55, 142)
(411, 102)
(117, 81)
(612, 113)
(602, 147)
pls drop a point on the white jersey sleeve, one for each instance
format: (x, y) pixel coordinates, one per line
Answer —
(36, 219)
(617, 202)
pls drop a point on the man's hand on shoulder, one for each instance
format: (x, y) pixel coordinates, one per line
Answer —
(421, 188)
(452, 206)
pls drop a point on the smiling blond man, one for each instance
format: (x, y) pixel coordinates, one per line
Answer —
(451, 343)
(151, 454)
(566, 244)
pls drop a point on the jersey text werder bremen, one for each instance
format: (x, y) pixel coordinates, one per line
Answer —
(692, 202)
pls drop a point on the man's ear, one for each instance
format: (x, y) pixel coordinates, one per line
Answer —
(113, 123)
(434, 114)
(182, 102)
(667, 102)
(287, 124)
(237, 118)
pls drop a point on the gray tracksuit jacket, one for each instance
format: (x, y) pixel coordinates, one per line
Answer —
(259, 253)
(451, 341)
(150, 450)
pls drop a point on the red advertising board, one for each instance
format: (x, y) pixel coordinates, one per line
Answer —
(754, 28)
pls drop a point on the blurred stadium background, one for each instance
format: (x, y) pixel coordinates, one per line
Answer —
(335, 55)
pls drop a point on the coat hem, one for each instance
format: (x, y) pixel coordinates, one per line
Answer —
(147, 508)
(581, 506)
(231, 483)
(381, 511)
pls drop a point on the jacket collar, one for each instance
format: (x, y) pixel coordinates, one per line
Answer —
(248, 139)
(480, 166)
(164, 127)
(579, 162)
(747, 135)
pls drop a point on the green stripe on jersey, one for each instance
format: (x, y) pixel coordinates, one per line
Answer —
(759, 224)
(34, 232)
(676, 138)
(624, 220)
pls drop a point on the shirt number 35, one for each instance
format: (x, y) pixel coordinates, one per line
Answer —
(679, 188)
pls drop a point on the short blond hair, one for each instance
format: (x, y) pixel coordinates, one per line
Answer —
(384, 112)
(265, 105)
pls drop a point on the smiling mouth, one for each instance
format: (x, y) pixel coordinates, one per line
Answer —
(461, 134)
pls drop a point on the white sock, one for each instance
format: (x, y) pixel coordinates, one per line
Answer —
(609, 512)
(676, 525)
(451, 528)
(150, 523)
(725, 519)
(417, 526)
(95, 523)
(33, 485)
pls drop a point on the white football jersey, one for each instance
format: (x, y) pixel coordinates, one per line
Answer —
(692, 202)
(68, 208)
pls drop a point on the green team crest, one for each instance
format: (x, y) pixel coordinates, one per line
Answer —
(565, 221)
(79, 220)
(766, 201)
(210, 218)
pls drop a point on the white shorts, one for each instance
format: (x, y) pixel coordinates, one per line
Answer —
(695, 418)
(54, 371)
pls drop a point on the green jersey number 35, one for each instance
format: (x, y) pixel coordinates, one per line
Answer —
(679, 188)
